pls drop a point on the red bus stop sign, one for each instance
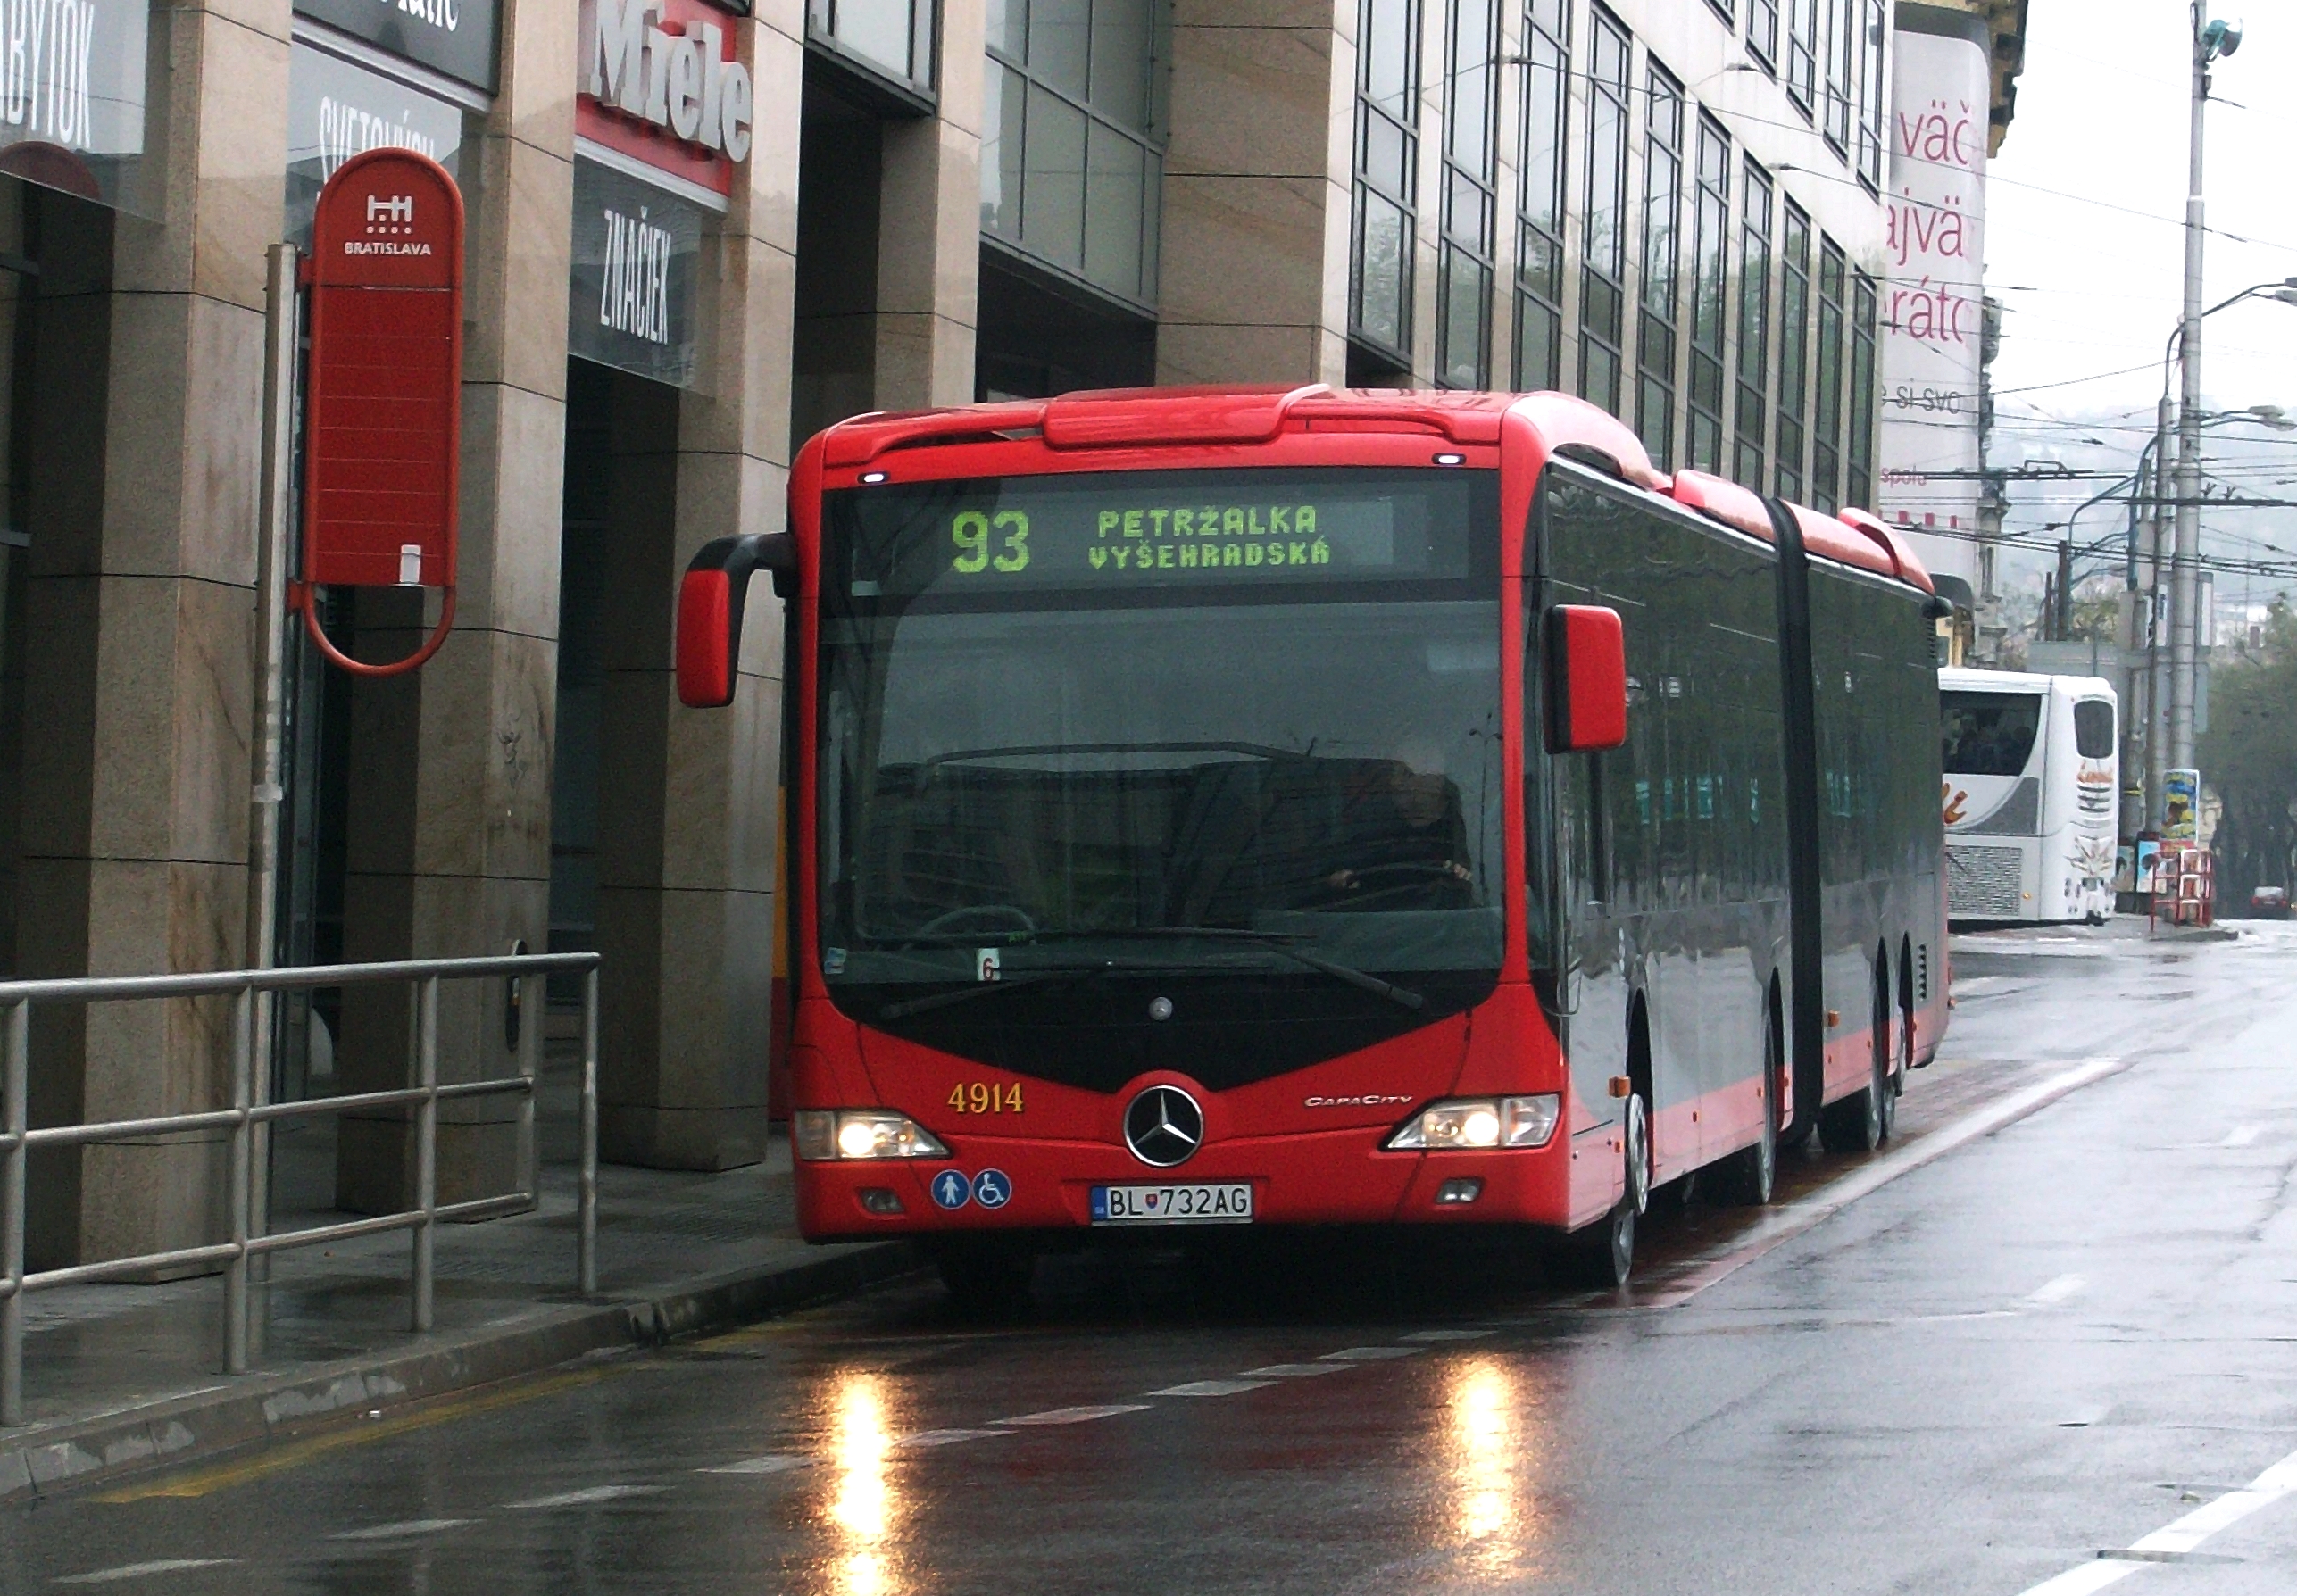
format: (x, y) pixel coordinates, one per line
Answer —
(383, 401)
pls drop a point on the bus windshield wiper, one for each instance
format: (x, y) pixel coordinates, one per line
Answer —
(1028, 977)
(1277, 941)
(1258, 751)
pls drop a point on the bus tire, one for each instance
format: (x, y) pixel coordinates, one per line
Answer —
(985, 1280)
(1602, 1257)
(1747, 1177)
(1859, 1122)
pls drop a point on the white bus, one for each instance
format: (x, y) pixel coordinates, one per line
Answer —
(2031, 771)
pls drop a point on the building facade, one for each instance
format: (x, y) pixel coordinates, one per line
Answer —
(699, 230)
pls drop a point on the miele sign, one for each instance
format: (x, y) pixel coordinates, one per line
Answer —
(659, 83)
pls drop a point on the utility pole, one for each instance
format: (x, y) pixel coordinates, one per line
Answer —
(2208, 43)
(2157, 622)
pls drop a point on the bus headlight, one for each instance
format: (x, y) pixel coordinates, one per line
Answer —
(822, 1134)
(1477, 1122)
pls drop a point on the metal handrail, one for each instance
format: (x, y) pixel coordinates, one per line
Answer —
(248, 1115)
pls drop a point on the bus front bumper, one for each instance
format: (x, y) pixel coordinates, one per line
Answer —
(1330, 1178)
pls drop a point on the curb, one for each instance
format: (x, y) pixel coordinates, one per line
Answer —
(253, 1408)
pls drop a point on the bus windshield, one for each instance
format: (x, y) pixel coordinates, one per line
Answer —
(1199, 720)
(1990, 734)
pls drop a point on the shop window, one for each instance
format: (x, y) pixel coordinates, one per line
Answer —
(1072, 159)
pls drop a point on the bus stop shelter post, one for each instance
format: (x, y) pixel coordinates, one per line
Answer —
(426, 1147)
(587, 1226)
(243, 1180)
(15, 1036)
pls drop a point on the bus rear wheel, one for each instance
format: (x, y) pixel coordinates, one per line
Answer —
(1863, 1122)
(1748, 1176)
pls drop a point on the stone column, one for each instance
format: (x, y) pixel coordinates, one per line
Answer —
(139, 612)
(1257, 187)
(449, 826)
(930, 232)
(688, 807)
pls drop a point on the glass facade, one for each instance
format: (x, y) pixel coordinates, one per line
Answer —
(1793, 352)
(1463, 340)
(1662, 209)
(1827, 449)
(1865, 304)
(1762, 32)
(1753, 412)
(1602, 308)
(1711, 246)
(1072, 163)
(1842, 68)
(892, 39)
(1388, 146)
(1539, 254)
(1802, 54)
(1873, 26)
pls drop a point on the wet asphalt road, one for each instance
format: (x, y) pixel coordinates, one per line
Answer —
(2028, 1347)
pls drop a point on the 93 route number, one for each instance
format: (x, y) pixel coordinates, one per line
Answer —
(985, 1097)
(973, 531)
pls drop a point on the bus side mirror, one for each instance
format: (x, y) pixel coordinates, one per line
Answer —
(709, 602)
(1586, 678)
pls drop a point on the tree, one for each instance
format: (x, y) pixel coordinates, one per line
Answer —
(2249, 756)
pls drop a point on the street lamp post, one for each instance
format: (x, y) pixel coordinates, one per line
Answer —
(2209, 43)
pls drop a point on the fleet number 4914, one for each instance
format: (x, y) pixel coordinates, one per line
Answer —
(985, 1097)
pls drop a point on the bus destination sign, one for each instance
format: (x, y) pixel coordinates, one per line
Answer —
(1159, 530)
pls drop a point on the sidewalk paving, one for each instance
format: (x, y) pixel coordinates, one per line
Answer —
(118, 1376)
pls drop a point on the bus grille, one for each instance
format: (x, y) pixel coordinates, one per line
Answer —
(2020, 814)
(1982, 884)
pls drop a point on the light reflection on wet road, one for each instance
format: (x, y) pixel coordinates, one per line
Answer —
(2049, 1342)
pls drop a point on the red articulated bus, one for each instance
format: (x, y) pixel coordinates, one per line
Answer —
(1308, 808)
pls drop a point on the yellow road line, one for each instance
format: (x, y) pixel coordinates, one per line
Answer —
(293, 1454)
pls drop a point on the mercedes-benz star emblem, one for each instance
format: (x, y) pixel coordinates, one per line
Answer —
(1164, 1127)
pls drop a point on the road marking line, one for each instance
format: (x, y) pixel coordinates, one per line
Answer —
(771, 1463)
(1784, 1223)
(2241, 1135)
(2056, 1290)
(2182, 1536)
(1213, 1388)
(584, 1498)
(296, 1453)
(947, 1437)
(1448, 1335)
(104, 1577)
(1368, 1354)
(1075, 1416)
(395, 1532)
(1295, 1371)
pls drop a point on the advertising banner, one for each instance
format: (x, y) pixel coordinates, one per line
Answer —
(1933, 313)
(452, 37)
(72, 93)
(2181, 806)
(636, 273)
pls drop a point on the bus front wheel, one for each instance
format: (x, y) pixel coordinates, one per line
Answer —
(1602, 1257)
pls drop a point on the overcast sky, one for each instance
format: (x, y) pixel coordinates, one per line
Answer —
(2084, 244)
